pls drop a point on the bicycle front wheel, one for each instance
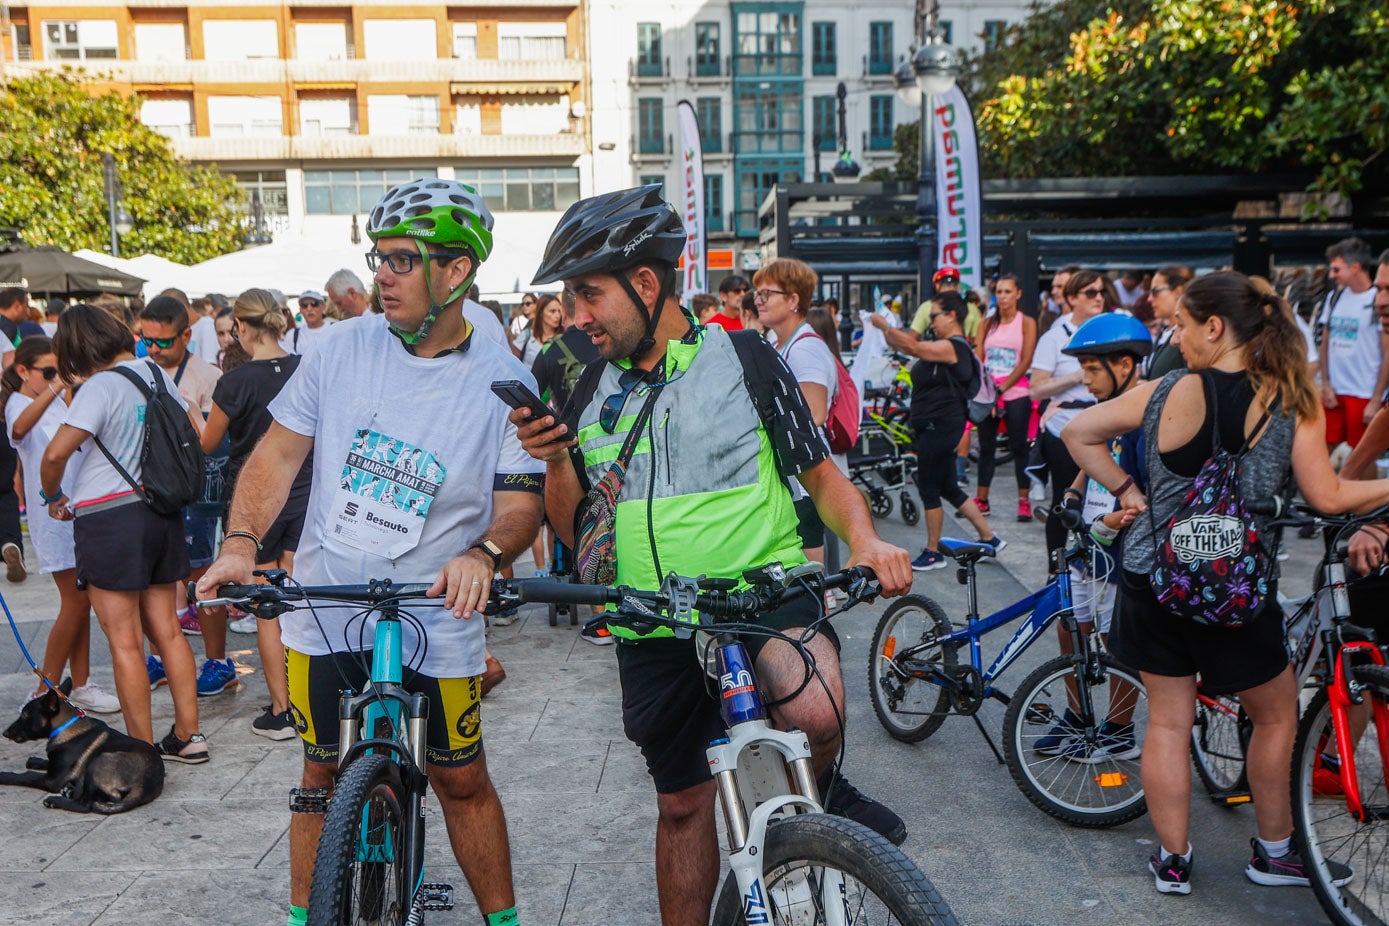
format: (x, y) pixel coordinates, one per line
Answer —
(881, 885)
(906, 648)
(359, 876)
(1086, 773)
(1219, 740)
(1329, 836)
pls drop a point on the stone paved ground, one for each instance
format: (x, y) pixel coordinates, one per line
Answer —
(581, 815)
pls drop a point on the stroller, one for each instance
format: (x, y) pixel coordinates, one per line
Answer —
(883, 463)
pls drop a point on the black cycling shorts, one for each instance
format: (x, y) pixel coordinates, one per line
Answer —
(1148, 637)
(669, 707)
(454, 732)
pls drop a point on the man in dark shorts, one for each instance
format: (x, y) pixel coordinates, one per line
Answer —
(716, 462)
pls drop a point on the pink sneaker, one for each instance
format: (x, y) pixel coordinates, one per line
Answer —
(188, 622)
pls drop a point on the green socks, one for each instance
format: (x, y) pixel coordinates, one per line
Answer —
(298, 916)
(505, 917)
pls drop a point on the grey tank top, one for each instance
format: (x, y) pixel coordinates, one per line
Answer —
(1266, 471)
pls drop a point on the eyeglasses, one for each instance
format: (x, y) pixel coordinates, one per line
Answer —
(49, 373)
(527, 302)
(314, 303)
(161, 343)
(936, 315)
(403, 262)
(1160, 289)
(762, 295)
(611, 411)
(1093, 293)
(740, 289)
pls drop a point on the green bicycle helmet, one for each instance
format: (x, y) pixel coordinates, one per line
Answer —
(443, 212)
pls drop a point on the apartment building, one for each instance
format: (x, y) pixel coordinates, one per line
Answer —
(762, 77)
(317, 107)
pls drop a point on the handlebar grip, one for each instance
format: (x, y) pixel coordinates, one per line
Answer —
(547, 591)
(1069, 518)
(1273, 507)
(235, 591)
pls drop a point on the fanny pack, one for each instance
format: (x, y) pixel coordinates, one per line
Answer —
(595, 548)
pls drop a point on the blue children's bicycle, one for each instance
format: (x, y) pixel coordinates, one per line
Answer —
(1073, 730)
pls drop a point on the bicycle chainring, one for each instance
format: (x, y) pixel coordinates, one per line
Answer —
(968, 695)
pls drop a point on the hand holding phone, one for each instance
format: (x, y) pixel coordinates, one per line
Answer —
(518, 395)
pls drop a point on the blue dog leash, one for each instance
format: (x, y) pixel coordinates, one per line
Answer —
(14, 628)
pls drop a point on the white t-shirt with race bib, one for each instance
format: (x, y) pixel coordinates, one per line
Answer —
(110, 406)
(1352, 343)
(407, 453)
(52, 538)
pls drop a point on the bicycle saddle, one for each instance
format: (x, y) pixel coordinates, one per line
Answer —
(965, 551)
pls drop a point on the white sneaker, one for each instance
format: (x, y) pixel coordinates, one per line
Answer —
(245, 624)
(92, 697)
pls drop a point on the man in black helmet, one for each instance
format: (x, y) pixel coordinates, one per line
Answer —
(704, 495)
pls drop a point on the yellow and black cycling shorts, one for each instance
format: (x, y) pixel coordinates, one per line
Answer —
(316, 683)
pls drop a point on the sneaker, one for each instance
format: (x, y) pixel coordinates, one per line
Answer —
(506, 618)
(92, 697)
(1024, 511)
(962, 471)
(14, 562)
(928, 560)
(1288, 870)
(1055, 740)
(192, 751)
(1171, 875)
(1307, 531)
(982, 504)
(188, 622)
(1113, 741)
(245, 624)
(1283, 554)
(1326, 777)
(155, 667)
(216, 676)
(274, 726)
(597, 634)
(997, 542)
(844, 800)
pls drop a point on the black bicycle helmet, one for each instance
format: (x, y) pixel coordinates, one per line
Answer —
(608, 234)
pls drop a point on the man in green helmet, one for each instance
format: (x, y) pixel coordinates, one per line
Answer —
(417, 477)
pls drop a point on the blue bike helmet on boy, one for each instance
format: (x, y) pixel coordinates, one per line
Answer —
(1109, 335)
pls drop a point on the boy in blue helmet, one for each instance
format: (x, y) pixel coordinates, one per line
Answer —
(1110, 348)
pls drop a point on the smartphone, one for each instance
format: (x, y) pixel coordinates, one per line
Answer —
(518, 395)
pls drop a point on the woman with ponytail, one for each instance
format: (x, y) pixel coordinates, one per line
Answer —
(35, 401)
(1246, 386)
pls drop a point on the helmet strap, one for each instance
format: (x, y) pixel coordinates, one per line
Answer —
(1114, 380)
(653, 315)
(419, 334)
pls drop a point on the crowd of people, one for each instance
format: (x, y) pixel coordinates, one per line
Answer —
(310, 450)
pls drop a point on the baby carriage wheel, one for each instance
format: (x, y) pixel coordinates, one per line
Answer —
(910, 513)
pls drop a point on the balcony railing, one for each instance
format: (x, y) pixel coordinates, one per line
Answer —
(485, 71)
(640, 71)
(378, 146)
(653, 146)
(713, 68)
(767, 65)
(877, 141)
(877, 66)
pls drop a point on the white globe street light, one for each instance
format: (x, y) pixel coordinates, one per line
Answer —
(904, 79)
(936, 66)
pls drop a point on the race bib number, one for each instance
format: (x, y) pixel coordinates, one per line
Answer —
(386, 490)
(1098, 501)
(999, 361)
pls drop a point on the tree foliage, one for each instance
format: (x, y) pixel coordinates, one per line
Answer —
(52, 181)
(1129, 87)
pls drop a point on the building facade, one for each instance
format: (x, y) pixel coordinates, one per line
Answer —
(317, 108)
(763, 78)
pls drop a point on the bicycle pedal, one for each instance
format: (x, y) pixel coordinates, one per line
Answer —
(309, 800)
(436, 896)
(1231, 798)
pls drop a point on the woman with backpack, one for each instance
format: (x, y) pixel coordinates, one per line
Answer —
(1005, 348)
(1244, 421)
(128, 557)
(943, 377)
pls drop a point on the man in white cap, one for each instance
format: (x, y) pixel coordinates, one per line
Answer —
(302, 339)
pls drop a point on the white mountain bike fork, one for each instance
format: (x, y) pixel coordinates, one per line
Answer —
(764, 774)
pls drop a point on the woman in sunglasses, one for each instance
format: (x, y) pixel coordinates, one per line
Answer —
(1058, 379)
(36, 404)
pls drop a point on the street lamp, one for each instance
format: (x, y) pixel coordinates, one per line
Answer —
(846, 169)
(934, 67)
(118, 220)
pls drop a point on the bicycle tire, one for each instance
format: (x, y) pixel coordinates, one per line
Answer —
(345, 888)
(1323, 827)
(1219, 743)
(1082, 785)
(891, 686)
(882, 885)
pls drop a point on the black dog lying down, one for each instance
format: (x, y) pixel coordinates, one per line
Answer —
(90, 767)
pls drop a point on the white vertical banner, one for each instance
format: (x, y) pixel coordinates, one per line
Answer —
(694, 278)
(959, 216)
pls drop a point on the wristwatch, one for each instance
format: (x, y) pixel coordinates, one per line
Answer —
(492, 550)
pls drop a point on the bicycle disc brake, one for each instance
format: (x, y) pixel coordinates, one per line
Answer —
(968, 694)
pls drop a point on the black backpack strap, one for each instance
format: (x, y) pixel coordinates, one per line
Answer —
(579, 399)
(183, 364)
(148, 393)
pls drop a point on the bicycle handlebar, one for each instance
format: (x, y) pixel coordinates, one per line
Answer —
(1288, 514)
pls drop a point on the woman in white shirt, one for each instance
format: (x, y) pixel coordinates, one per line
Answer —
(35, 403)
(128, 557)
